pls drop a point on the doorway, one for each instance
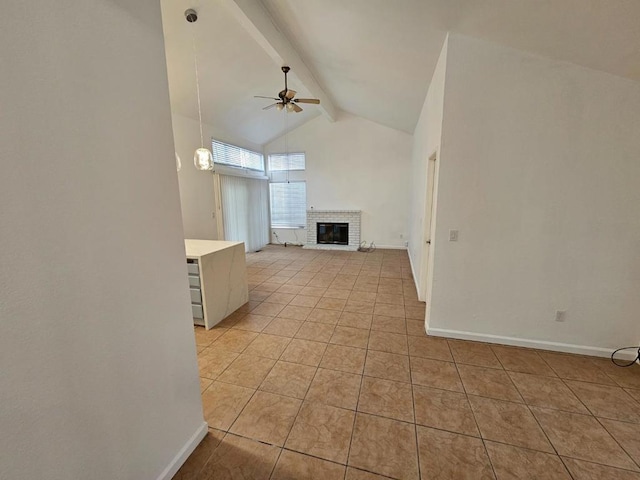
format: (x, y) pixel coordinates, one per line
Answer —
(428, 224)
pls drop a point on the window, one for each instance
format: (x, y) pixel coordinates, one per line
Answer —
(225, 154)
(288, 204)
(280, 162)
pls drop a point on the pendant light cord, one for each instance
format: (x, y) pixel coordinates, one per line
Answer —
(195, 61)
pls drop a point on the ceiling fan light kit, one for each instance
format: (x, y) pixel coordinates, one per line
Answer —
(286, 98)
(202, 157)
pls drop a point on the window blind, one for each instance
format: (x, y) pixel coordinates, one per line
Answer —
(288, 204)
(226, 154)
(279, 162)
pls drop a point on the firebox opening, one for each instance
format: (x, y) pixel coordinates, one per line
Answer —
(333, 233)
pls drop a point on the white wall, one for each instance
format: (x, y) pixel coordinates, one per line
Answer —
(426, 142)
(98, 376)
(355, 164)
(197, 195)
(539, 172)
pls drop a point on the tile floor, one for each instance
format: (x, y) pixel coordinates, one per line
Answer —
(327, 374)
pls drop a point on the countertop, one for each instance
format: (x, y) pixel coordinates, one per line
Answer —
(200, 248)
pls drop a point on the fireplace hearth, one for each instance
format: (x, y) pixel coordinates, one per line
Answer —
(332, 233)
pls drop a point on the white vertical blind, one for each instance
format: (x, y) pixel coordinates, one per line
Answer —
(288, 204)
(245, 211)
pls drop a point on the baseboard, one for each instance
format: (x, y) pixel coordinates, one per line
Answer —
(523, 342)
(390, 247)
(184, 452)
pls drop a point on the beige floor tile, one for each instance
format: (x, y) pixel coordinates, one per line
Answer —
(356, 320)
(473, 353)
(454, 456)
(430, 347)
(204, 384)
(415, 312)
(591, 471)
(444, 410)
(389, 324)
(581, 436)
(519, 463)
(547, 392)
(285, 327)
(627, 436)
(223, 402)
(435, 373)
(213, 361)
(488, 382)
(628, 377)
(205, 337)
(279, 297)
(338, 293)
(322, 431)
(329, 303)
(258, 296)
(389, 366)
(267, 417)
(606, 401)
(339, 389)
(289, 290)
(356, 474)
(415, 327)
(268, 346)
(306, 352)
(295, 312)
(191, 469)
(388, 342)
(522, 360)
(304, 301)
(268, 309)
(389, 310)
(319, 315)
(363, 297)
(343, 358)
(238, 458)
(247, 371)
(234, 340)
(253, 322)
(319, 332)
(351, 337)
(296, 466)
(508, 422)
(289, 379)
(386, 398)
(313, 291)
(390, 298)
(573, 367)
(384, 446)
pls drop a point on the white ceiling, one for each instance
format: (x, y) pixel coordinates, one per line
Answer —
(375, 58)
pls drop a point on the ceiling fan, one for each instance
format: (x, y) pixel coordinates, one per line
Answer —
(286, 97)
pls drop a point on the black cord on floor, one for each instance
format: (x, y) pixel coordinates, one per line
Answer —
(617, 362)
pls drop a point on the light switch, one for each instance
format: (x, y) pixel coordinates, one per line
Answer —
(453, 235)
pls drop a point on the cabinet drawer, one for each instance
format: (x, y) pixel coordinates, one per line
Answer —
(196, 296)
(193, 267)
(194, 281)
(196, 310)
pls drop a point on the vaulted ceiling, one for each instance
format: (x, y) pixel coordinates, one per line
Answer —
(372, 58)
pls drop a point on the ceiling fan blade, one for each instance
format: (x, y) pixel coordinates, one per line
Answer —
(296, 108)
(270, 98)
(307, 100)
(270, 106)
(290, 94)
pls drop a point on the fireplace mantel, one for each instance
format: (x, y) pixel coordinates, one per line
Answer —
(352, 217)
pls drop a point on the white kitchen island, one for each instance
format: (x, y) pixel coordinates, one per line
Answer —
(217, 279)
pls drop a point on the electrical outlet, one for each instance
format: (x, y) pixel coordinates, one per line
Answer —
(406, 244)
(561, 315)
(453, 235)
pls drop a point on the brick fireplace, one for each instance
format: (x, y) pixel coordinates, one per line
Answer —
(350, 217)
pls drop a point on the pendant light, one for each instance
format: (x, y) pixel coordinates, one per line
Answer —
(202, 158)
(178, 162)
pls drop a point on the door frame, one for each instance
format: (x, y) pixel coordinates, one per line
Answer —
(428, 223)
